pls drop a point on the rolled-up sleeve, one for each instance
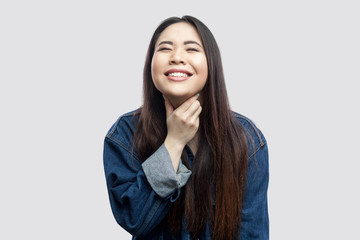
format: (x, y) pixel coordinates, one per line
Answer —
(161, 175)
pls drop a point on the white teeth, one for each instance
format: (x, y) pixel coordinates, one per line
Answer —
(178, 74)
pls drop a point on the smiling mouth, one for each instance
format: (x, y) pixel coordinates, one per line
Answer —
(177, 74)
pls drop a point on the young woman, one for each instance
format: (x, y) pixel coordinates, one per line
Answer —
(184, 166)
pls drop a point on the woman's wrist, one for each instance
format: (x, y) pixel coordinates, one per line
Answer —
(175, 149)
(174, 144)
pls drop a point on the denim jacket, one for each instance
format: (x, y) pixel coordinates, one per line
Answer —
(141, 194)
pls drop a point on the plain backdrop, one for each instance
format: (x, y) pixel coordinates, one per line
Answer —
(68, 69)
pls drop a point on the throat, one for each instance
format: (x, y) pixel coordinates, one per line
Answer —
(177, 101)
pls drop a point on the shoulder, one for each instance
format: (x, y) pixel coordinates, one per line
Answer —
(256, 138)
(122, 131)
(258, 158)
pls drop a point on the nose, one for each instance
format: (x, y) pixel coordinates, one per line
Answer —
(176, 58)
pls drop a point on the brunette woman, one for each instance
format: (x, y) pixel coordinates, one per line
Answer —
(184, 166)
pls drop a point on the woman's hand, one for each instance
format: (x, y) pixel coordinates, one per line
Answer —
(182, 125)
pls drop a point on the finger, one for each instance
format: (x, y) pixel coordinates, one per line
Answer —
(168, 107)
(192, 109)
(185, 106)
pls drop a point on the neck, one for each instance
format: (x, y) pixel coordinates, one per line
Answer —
(177, 101)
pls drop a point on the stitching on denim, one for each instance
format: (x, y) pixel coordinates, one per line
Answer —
(118, 141)
(122, 145)
(253, 126)
(114, 127)
(150, 217)
(178, 179)
(181, 170)
(118, 120)
(257, 151)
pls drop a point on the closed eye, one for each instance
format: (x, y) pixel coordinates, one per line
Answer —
(164, 49)
(192, 50)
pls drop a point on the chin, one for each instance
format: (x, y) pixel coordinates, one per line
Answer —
(180, 95)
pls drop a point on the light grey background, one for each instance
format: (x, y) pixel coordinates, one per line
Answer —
(68, 69)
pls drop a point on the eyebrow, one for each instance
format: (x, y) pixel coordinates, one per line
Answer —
(192, 42)
(185, 43)
(166, 42)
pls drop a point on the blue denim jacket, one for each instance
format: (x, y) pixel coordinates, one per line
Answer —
(142, 193)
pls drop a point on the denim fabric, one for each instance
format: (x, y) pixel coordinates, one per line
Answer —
(141, 194)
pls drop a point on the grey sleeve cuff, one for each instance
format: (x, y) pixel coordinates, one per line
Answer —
(161, 175)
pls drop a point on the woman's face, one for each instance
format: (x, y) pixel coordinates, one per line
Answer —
(179, 66)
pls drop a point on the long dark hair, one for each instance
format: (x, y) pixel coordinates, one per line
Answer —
(215, 190)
